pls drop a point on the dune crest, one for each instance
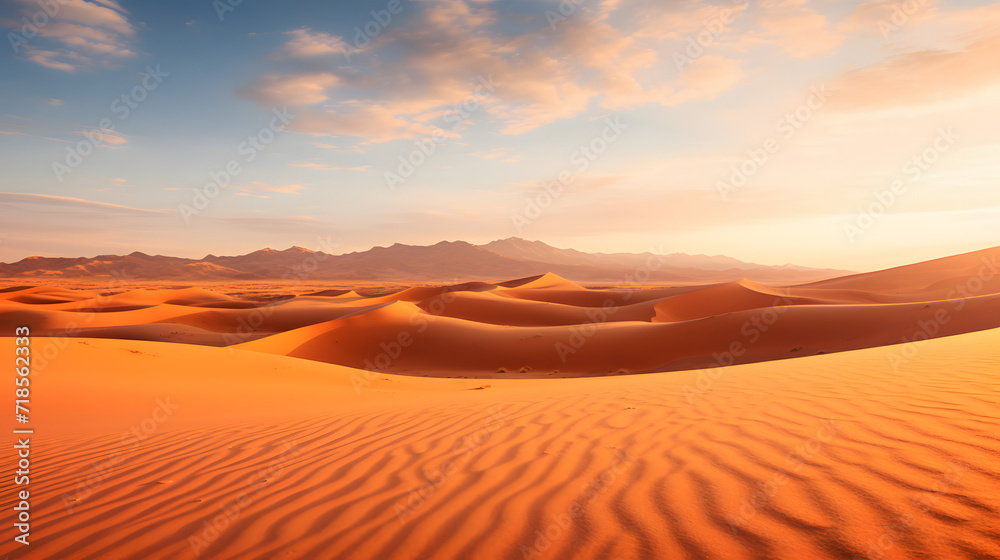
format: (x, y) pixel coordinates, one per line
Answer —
(544, 325)
(547, 280)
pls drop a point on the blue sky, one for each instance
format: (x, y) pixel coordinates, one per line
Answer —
(865, 131)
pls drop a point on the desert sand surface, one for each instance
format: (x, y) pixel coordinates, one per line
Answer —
(541, 326)
(850, 418)
(202, 452)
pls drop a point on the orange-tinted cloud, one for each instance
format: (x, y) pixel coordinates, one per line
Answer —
(801, 31)
(434, 84)
(922, 77)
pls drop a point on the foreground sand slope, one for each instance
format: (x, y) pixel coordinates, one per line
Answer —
(881, 453)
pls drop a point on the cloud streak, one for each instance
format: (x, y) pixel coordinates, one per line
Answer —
(76, 34)
(56, 202)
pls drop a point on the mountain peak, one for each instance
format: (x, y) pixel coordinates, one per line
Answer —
(513, 257)
(517, 241)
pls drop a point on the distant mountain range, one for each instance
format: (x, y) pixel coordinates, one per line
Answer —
(444, 261)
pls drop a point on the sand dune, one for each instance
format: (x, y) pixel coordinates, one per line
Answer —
(547, 280)
(401, 338)
(500, 309)
(544, 325)
(828, 457)
(853, 418)
(724, 298)
(958, 276)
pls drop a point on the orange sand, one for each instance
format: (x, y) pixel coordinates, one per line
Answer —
(820, 457)
(154, 442)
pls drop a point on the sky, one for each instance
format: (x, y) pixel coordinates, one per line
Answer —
(852, 135)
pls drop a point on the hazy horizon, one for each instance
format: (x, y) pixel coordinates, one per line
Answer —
(324, 245)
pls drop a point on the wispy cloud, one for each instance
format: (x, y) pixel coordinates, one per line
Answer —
(801, 31)
(28, 130)
(103, 136)
(922, 77)
(79, 34)
(22, 133)
(304, 43)
(416, 79)
(71, 202)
